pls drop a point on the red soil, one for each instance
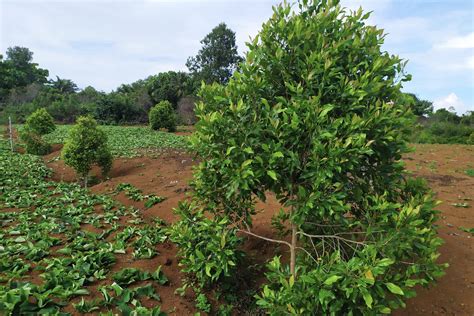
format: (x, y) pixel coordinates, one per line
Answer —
(442, 165)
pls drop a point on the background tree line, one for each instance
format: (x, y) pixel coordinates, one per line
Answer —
(25, 87)
(442, 126)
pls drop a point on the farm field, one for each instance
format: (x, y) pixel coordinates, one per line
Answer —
(110, 245)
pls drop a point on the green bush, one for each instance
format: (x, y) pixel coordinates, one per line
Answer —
(87, 145)
(34, 143)
(445, 127)
(446, 133)
(207, 248)
(314, 116)
(41, 122)
(162, 116)
(37, 124)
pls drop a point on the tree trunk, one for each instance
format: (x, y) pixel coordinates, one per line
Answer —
(293, 250)
(85, 181)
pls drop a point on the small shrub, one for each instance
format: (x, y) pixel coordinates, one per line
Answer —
(85, 146)
(34, 143)
(162, 116)
(41, 122)
(208, 249)
(37, 124)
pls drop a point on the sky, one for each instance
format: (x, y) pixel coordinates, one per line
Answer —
(104, 43)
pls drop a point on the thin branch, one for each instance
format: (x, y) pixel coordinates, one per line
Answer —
(323, 225)
(248, 232)
(308, 253)
(332, 237)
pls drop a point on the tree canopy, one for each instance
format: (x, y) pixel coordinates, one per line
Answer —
(418, 106)
(218, 58)
(169, 86)
(19, 70)
(315, 116)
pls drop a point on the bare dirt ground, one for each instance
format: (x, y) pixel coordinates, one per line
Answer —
(443, 166)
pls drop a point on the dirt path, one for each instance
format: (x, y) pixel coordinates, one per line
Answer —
(443, 166)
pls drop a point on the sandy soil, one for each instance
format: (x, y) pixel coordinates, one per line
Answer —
(443, 166)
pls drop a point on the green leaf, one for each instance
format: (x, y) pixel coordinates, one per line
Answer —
(326, 110)
(229, 150)
(367, 298)
(272, 174)
(278, 154)
(208, 270)
(394, 288)
(332, 279)
(246, 163)
(291, 281)
(385, 262)
(385, 310)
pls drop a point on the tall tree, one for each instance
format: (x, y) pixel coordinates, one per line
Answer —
(218, 58)
(169, 86)
(23, 70)
(418, 106)
(65, 86)
(18, 70)
(314, 116)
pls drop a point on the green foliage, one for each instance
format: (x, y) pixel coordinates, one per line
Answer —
(208, 249)
(315, 115)
(162, 115)
(117, 108)
(418, 107)
(470, 172)
(446, 133)
(128, 276)
(135, 194)
(69, 260)
(37, 124)
(64, 86)
(445, 127)
(169, 86)
(40, 122)
(467, 230)
(202, 303)
(85, 146)
(125, 141)
(34, 143)
(18, 70)
(218, 58)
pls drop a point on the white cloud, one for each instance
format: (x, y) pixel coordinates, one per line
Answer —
(470, 62)
(452, 101)
(463, 41)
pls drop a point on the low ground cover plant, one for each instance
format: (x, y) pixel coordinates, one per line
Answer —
(315, 115)
(125, 141)
(136, 194)
(41, 234)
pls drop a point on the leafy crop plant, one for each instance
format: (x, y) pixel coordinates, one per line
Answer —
(314, 115)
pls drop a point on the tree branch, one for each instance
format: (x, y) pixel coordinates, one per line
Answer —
(248, 232)
(331, 236)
